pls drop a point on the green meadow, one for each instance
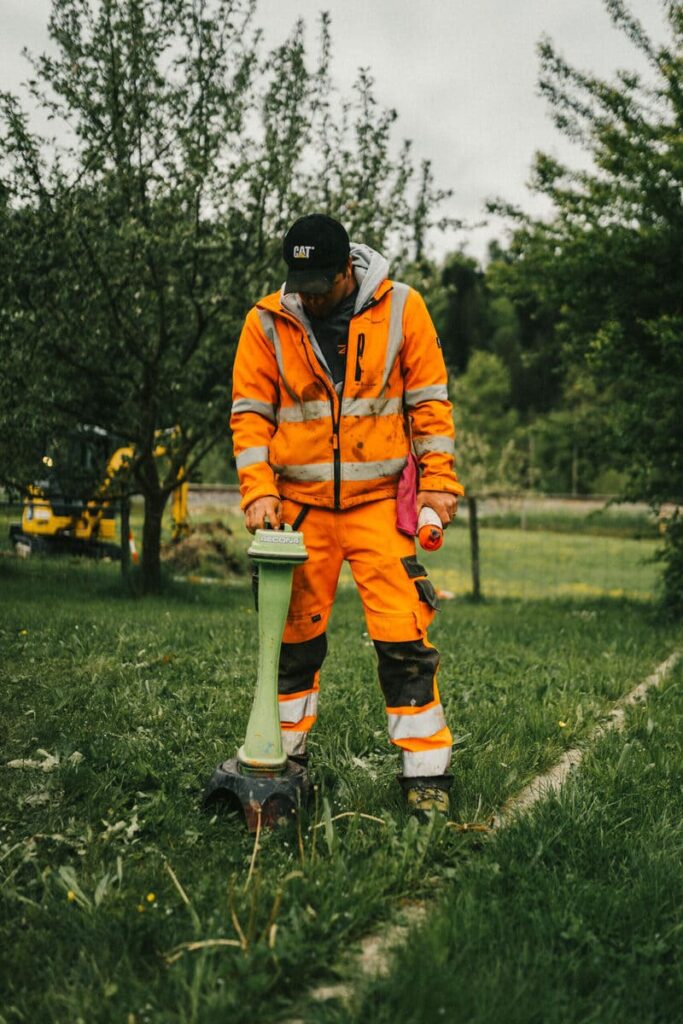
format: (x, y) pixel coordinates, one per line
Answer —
(123, 901)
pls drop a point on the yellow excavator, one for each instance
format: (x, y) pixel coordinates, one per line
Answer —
(55, 525)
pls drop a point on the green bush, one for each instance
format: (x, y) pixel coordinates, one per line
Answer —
(671, 554)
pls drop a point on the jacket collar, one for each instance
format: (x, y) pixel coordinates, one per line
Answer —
(291, 306)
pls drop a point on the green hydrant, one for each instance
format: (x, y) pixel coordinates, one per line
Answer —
(275, 552)
(261, 780)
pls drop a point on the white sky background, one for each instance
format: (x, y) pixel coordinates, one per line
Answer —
(462, 75)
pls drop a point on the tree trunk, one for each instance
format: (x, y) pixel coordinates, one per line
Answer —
(151, 542)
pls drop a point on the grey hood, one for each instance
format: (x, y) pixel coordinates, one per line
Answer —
(370, 269)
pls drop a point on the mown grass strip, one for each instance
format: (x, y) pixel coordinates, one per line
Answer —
(572, 914)
(377, 949)
(553, 780)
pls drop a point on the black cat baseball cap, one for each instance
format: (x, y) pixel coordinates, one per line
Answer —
(316, 248)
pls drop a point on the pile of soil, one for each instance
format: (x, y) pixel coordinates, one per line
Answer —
(209, 550)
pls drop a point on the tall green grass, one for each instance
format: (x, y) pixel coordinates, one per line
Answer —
(139, 700)
(570, 915)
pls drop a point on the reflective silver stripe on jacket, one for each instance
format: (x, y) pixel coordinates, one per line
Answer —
(372, 470)
(265, 409)
(399, 294)
(431, 393)
(292, 711)
(350, 407)
(435, 443)
(419, 726)
(371, 406)
(418, 763)
(304, 411)
(250, 456)
(311, 472)
(321, 472)
(270, 331)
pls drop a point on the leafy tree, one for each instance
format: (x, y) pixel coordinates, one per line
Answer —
(521, 331)
(485, 424)
(570, 453)
(463, 326)
(137, 242)
(22, 428)
(607, 266)
(475, 308)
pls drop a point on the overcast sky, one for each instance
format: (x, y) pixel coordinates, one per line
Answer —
(462, 75)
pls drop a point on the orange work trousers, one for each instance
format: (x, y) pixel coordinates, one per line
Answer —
(399, 603)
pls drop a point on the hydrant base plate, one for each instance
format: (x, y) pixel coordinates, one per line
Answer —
(274, 798)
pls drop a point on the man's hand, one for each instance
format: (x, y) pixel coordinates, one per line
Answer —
(444, 504)
(255, 514)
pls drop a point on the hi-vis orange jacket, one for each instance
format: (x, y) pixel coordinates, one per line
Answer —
(295, 436)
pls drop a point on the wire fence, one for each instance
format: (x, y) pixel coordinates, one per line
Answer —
(532, 547)
(502, 546)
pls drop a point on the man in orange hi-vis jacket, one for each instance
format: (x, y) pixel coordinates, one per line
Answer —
(336, 375)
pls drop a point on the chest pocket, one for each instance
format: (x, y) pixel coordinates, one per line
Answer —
(367, 352)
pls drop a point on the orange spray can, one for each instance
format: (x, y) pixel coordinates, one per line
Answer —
(429, 529)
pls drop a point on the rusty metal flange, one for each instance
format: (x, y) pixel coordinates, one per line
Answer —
(273, 797)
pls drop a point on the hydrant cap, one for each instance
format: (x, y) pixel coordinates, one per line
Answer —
(285, 545)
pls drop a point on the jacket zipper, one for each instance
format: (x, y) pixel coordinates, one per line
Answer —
(337, 468)
(336, 423)
(336, 464)
(360, 347)
(336, 451)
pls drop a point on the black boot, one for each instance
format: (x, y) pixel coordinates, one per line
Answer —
(426, 793)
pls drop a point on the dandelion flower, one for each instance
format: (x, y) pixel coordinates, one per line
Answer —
(141, 908)
(71, 896)
(151, 897)
(562, 725)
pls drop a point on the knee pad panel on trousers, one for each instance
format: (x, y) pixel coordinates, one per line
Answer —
(299, 664)
(406, 672)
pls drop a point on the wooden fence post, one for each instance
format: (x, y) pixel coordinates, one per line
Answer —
(125, 537)
(474, 548)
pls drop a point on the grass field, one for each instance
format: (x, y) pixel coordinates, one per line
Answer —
(110, 869)
(603, 554)
(535, 564)
(572, 914)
